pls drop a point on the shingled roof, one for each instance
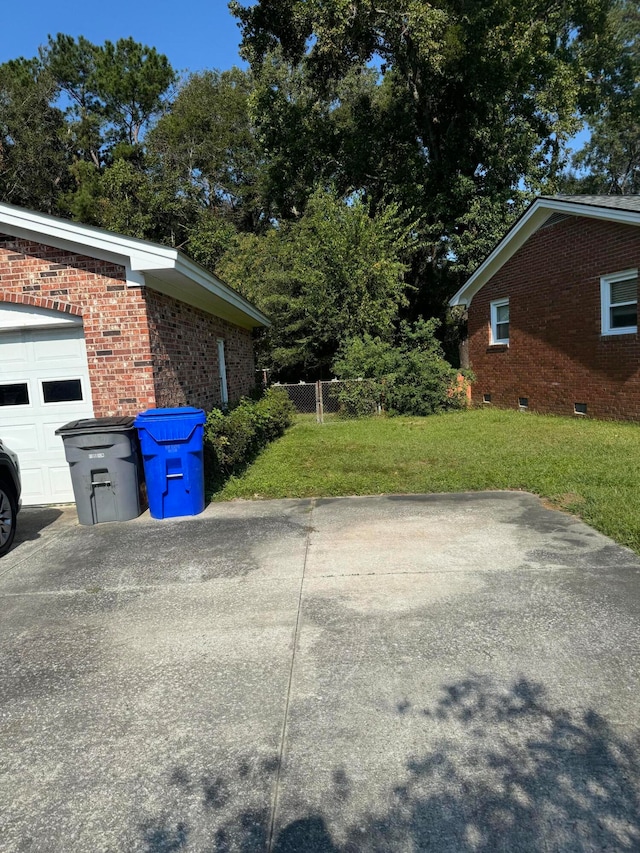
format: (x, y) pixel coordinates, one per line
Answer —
(618, 202)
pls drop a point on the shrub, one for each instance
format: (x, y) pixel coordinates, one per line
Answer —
(357, 398)
(233, 438)
(411, 377)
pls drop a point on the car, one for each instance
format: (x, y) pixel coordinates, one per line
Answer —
(10, 491)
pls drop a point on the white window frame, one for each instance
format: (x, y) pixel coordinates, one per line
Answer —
(498, 303)
(83, 390)
(605, 302)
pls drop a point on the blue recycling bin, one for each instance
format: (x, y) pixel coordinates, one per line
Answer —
(172, 441)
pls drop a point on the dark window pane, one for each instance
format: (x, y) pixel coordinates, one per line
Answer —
(502, 331)
(14, 395)
(502, 313)
(623, 316)
(62, 390)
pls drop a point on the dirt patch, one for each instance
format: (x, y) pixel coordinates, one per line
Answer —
(567, 502)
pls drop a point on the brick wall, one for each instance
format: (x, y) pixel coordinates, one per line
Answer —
(556, 355)
(185, 354)
(113, 314)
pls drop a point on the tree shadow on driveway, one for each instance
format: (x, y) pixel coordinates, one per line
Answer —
(506, 771)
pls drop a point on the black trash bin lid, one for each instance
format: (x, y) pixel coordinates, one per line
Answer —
(117, 424)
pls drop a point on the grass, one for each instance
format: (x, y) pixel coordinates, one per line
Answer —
(587, 467)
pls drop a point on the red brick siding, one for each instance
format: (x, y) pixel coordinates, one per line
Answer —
(556, 355)
(185, 354)
(113, 314)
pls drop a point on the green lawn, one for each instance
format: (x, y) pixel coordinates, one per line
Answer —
(590, 468)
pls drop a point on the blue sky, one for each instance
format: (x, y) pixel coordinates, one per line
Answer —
(194, 34)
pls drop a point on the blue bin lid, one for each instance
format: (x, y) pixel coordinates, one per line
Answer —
(184, 411)
(170, 426)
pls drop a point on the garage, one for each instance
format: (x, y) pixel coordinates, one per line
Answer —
(44, 383)
(97, 324)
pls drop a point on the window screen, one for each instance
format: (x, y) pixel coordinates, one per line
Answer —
(16, 394)
(62, 390)
(624, 304)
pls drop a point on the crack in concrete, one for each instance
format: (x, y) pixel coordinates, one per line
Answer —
(283, 735)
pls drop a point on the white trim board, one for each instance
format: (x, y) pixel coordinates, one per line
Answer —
(181, 277)
(532, 219)
(13, 316)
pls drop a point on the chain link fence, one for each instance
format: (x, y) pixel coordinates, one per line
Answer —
(303, 395)
(321, 398)
(354, 398)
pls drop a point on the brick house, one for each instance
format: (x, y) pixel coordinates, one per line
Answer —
(94, 324)
(552, 311)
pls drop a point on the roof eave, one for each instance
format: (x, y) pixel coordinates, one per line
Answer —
(138, 257)
(240, 310)
(64, 233)
(526, 225)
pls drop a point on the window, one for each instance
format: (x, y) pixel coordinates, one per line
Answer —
(15, 394)
(62, 390)
(619, 300)
(500, 321)
(523, 402)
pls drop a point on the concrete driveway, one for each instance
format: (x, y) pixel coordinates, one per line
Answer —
(445, 672)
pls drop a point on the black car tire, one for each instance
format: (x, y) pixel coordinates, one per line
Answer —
(8, 517)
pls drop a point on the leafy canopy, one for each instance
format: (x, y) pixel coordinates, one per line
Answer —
(476, 99)
(408, 376)
(610, 161)
(333, 273)
(33, 155)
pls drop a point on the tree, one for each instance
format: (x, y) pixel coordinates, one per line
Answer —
(408, 376)
(110, 95)
(209, 236)
(207, 139)
(298, 136)
(34, 157)
(113, 91)
(475, 103)
(132, 80)
(72, 66)
(332, 274)
(610, 161)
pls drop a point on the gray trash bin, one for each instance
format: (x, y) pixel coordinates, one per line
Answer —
(106, 470)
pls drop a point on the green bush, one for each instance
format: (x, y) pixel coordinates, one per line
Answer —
(233, 438)
(357, 398)
(410, 377)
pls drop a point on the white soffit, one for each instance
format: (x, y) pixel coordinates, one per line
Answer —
(176, 284)
(137, 257)
(533, 218)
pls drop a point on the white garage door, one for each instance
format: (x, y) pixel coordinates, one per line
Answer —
(44, 383)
